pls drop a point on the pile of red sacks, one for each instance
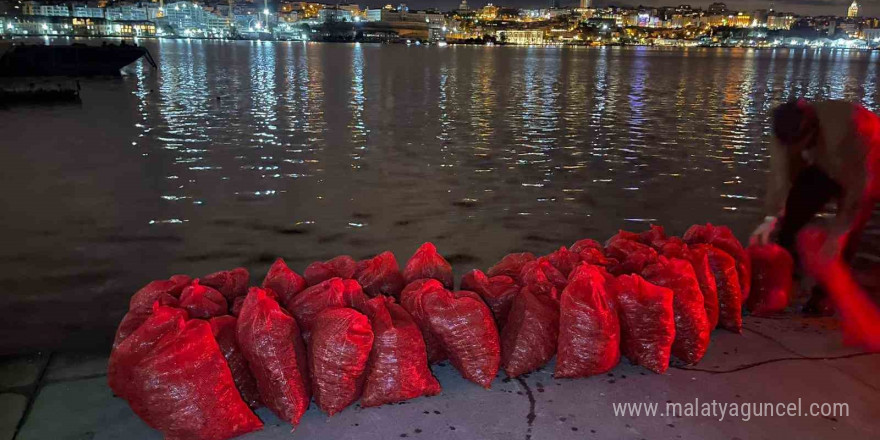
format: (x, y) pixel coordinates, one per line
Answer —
(195, 357)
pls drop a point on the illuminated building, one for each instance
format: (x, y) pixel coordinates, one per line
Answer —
(35, 8)
(759, 18)
(463, 6)
(853, 10)
(740, 20)
(780, 21)
(335, 14)
(525, 36)
(488, 12)
(133, 28)
(84, 10)
(871, 35)
(386, 15)
(126, 12)
(189, 19)
(586, 4)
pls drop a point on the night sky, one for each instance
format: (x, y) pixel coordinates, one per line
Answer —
(803, 7)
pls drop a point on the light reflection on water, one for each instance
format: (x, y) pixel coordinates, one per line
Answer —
(233, 153)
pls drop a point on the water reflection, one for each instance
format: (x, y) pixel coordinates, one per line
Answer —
(357, 127)
(615, 118)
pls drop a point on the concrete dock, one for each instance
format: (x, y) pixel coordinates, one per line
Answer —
(780, 360)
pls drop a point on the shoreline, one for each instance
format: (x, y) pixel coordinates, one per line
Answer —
(33, 39)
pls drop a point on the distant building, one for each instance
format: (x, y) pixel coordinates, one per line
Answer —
(85, 10)
(853, 10)
(390, 15)
(335, 14)
(759, 18)
(373, 14)
(35, 8)
(184, 16)
(849, 27)
(488, 12)
(554, 4)
(586, 4)
(780, 20)
(717, 9)
(528, 36)
(126, 12)
(463, 6)
(132, 28)
(871, 35)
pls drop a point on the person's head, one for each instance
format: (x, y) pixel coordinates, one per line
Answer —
(794, 123)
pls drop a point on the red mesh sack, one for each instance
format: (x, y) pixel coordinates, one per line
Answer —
(236, 305)
(136, 316)
(159, 323)
(647, 321)
(722, 238)
(329, 294)
(623, 235)
(691, 323)
(465, 328)
(631, 255)
(427, 263)
(283, 281)
(699, 259)
(589, 330)
(270, 341)
(338, 355)
(528, 341)
(156, 290)
(224, 330)
(497, 292)
(727, 281)
(511, 265)
(179, 383)
(342, 266)
(772, 279)
(231, 283)
(398, 366)
(654, 237)
(380, 275)
(564, 260)
(596, 257)
(541, 277)
(413, 301)
(184, 389)
(587, 243)
(203, 302)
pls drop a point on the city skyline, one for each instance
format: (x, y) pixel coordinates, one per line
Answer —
(801, 7)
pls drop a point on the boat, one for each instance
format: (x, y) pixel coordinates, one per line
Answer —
(70, 60)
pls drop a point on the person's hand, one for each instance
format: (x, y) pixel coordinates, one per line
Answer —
(761, 235)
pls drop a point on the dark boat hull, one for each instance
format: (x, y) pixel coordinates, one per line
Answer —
(73, 60)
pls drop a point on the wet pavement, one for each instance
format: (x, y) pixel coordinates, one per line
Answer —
(778, 360)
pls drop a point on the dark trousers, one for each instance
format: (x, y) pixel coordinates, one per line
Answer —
(810, 192)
